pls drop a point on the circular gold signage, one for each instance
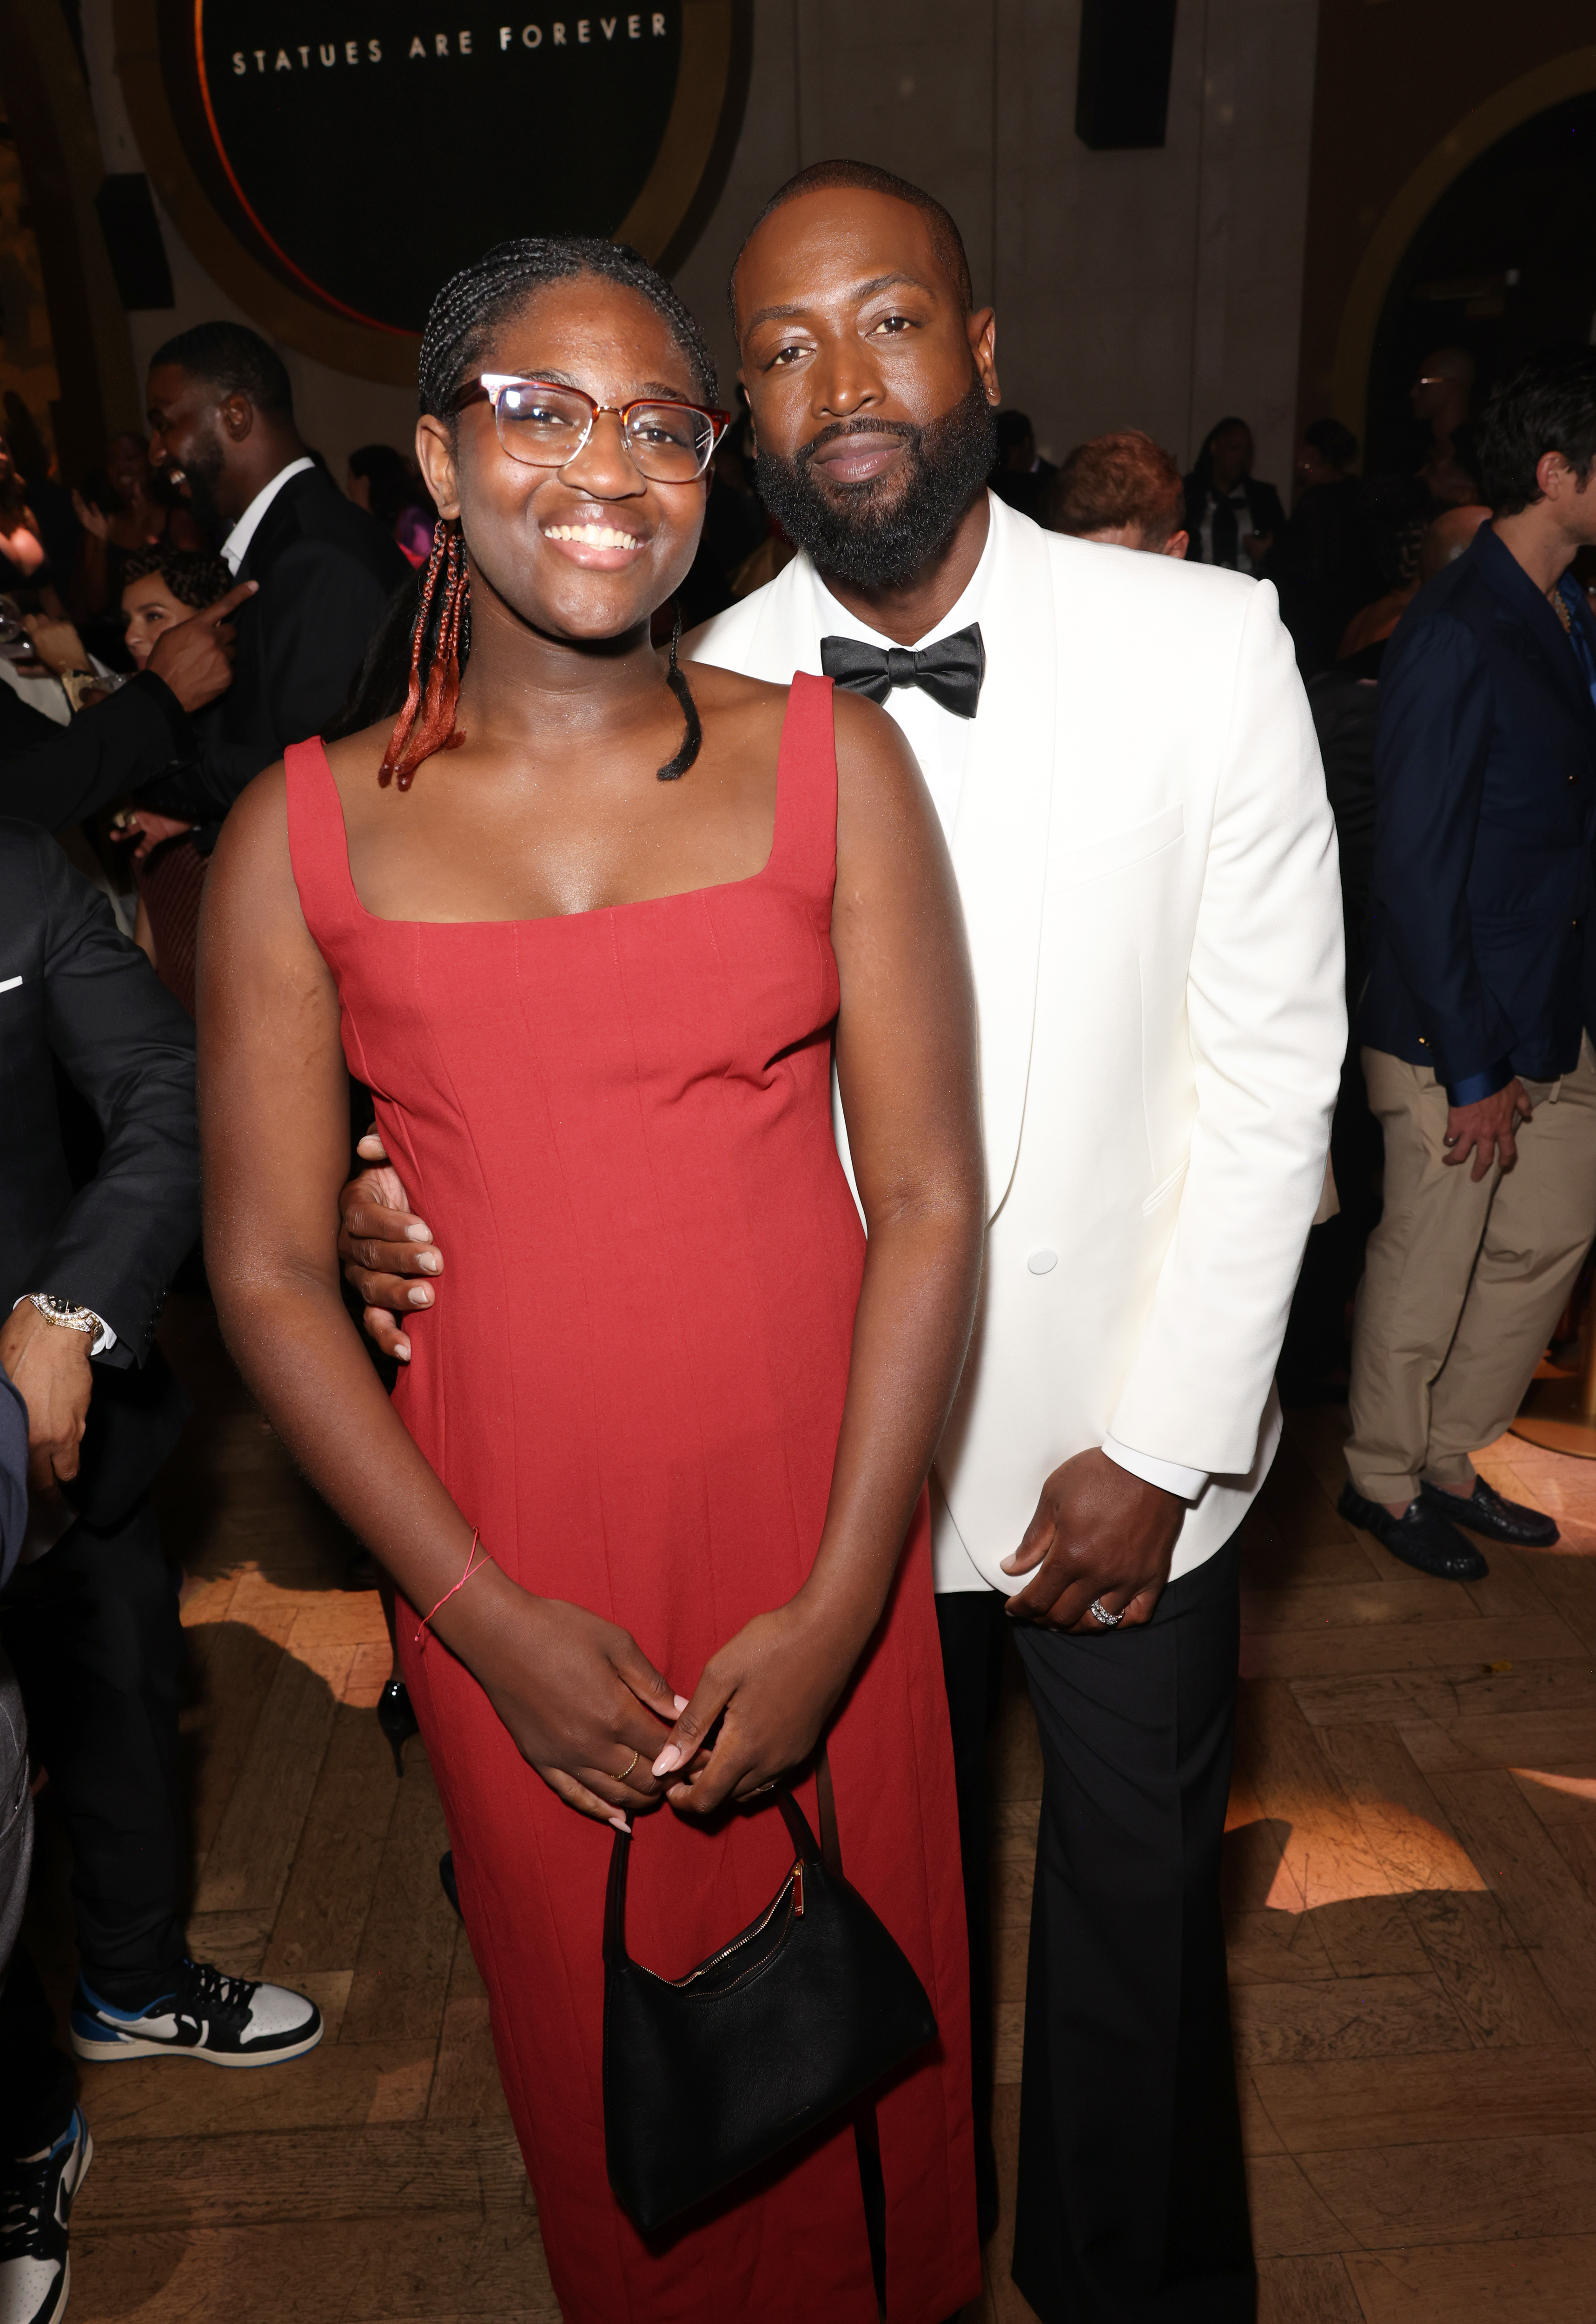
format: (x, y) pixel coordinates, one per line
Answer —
(331, 162)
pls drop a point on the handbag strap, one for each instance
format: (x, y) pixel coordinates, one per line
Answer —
(614, 1945)
(798, 1826)
(615, 1902)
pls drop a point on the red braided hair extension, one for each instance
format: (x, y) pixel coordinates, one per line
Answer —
(426, 724)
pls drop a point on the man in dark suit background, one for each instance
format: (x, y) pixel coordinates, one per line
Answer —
(1480, 997)
(1019, 475)
(1231, 517)
(221, 416)
(56, 775)
(91, 1621)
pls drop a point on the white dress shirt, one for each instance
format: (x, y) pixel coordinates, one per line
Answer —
(940, 742)
(248, 524)
(1244, 563)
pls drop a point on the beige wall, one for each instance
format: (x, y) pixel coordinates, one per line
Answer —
(1153, 290)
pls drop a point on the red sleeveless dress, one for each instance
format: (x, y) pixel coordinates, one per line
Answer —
(618, 1125)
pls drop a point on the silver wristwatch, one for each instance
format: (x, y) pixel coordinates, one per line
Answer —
(74, 1319)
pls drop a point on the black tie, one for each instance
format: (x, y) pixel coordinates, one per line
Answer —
(950, 671)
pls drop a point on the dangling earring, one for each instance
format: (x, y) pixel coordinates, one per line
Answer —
(426, 724)
(692, 740)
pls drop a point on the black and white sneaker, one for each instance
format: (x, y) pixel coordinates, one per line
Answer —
(35, 2204)
(229, 2021)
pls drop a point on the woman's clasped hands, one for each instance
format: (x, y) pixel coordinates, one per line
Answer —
(586, 1708)
(583, 1703)
(771, 1688)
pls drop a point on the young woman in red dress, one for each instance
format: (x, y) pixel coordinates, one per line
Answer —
(593, 962)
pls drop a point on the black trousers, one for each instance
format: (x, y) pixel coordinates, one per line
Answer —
(93, 1633)
(1132, 2202)
(974, 1627)
(37, 2080)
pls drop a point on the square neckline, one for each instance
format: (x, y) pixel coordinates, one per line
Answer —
(591, 912)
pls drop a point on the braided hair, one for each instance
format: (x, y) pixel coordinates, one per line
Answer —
(464, 315)
(473, 303)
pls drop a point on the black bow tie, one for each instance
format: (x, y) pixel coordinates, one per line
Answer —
(950, 671)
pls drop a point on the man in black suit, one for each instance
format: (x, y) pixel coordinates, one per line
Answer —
(1019, 475)
(1231, 517)
(1481, 1000)
(221, 416)
(90, 1622)
(56, 775)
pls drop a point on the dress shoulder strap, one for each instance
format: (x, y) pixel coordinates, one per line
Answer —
(804, 850)
(317, 846)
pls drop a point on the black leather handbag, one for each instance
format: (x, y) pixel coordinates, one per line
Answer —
(710, 2074)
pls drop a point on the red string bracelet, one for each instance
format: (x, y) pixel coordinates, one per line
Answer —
(471, 1567)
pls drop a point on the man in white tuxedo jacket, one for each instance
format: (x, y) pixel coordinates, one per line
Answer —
(1138, 821)
(1122, 756)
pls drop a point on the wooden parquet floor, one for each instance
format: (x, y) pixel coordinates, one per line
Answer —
(1411, 1892)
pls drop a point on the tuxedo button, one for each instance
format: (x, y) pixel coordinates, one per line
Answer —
(1042, 1262)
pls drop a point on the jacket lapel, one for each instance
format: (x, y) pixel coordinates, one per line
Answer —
(1000, 841)
(786, 632)
(277, 527)
(1000, 844)
(1586, 626)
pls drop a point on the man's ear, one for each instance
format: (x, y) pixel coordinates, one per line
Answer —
(1557, 476)
(983, 329)
(237, 416)
(748, 407)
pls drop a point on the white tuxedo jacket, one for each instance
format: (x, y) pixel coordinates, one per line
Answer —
(1148, 866)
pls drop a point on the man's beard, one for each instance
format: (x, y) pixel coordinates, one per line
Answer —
(201, 473)
(880, 534)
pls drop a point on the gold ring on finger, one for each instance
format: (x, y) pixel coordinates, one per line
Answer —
(627, 1769)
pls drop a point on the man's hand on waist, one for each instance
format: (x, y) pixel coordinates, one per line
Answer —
(384, 1247)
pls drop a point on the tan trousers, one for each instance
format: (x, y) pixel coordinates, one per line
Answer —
(1463, 1283)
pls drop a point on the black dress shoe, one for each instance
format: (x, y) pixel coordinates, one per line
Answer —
(397, 1718)
(1420, 1537)
(445, 1873)
(1485, 1511)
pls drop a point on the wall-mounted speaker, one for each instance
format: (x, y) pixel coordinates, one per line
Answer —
(133, 240)
(1122, 89)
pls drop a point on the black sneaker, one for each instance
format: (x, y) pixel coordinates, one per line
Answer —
(229, 2021)
(1486, 1511)
(35, 2204)
(1420, 1537)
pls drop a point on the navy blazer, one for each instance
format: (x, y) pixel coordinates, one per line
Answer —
(1481, 930)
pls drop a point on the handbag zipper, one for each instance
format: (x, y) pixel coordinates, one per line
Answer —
(797, 1877)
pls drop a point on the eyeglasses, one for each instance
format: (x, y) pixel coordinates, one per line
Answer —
(545, 427)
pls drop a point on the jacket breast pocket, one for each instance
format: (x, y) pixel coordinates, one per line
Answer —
(1096, 860)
